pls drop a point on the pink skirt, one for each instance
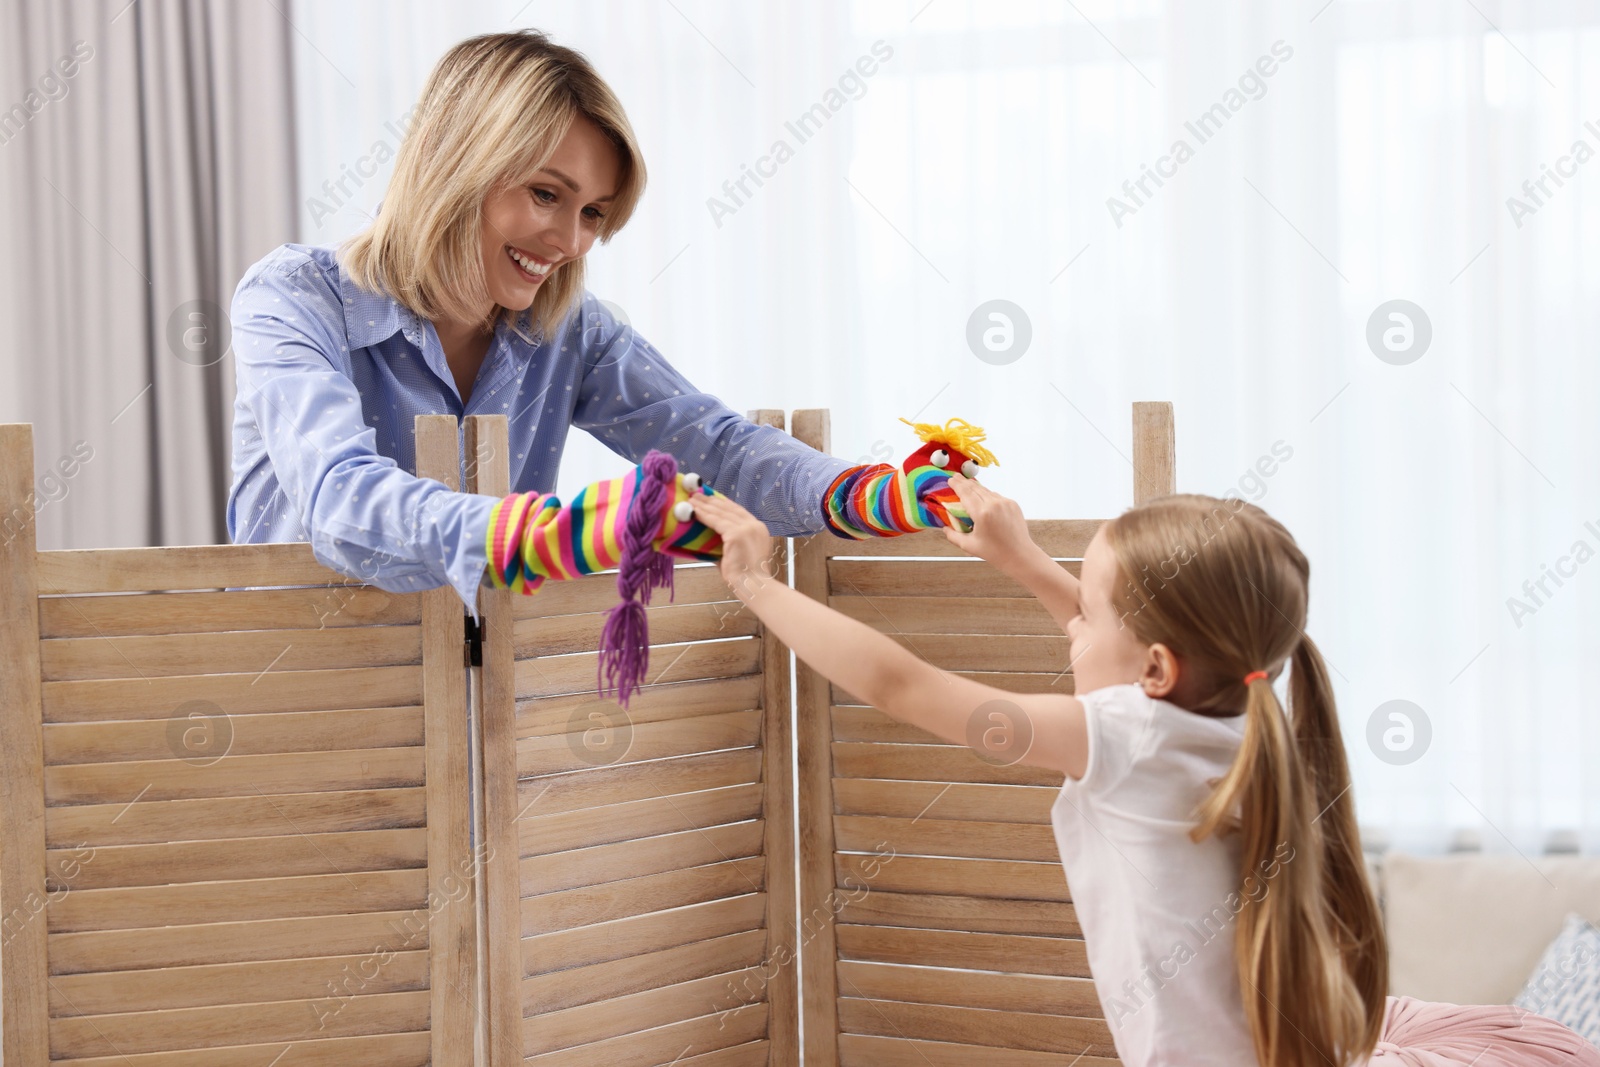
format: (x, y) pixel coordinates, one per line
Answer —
(1420, 1033)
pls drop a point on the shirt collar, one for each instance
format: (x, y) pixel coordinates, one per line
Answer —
(373, 317)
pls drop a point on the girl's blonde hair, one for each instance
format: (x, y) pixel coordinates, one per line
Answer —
(1224, 586)
(492, 112)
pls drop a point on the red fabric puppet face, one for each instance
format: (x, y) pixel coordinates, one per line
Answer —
(943, 456)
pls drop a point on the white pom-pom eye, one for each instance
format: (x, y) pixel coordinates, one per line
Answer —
(691, 481)
(969, 469)
(683, 511)
(939, 457)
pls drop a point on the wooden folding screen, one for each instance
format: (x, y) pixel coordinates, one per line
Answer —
(222, 837)
(936, 924)
(640, 886)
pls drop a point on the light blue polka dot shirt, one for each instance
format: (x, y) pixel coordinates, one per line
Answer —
(330, 378)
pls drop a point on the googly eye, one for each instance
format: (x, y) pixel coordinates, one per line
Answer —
(691, 481)
(939, 458)
(683, 511)
(969, 469)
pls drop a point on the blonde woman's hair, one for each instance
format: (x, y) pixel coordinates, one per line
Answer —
(492, 112)
(1224, 586)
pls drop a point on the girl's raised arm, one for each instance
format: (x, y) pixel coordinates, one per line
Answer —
(1048, 728)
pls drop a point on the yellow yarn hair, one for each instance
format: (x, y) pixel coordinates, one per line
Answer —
(960, 435)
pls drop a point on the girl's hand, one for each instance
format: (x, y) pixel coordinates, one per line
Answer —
(999, 532)
(746, 545)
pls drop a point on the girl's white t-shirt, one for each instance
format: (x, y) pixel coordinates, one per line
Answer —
(1157, 909)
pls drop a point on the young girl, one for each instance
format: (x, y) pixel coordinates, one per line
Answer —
(1193, 800)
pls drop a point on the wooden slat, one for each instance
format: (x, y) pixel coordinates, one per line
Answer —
(603, 981)
(750, 1054)
(692, 583)
(925, 911)
(232, 1024)
(985, 803)
(953, 948)
(980, 1026)
(270, 939)
(1060, 538)
(126, 570)
(578, 673)
(169, 779)
(659, 1046)
(984, 652)
(234, 983)
(933, 763)
(125, 823)
(860, 1050)
(246, 735)
(172, 655)
(236, 609)
(857, 723)
(926, 578)
(638, 819)
(635, 896)
(98, 700)
(948, 615)
(196, 901)
(257, 857)
(382, 1050)
(819, 996)
(1154, 450)
(599, 864)
(1011, 879)
(452, 862)
(1034, 993)
(1015, 682)
(610, 739)
(556, 793)
(24, 1037)
(639, 935)
(669, 624)
(661, 703)
(589, 1023)
(953, 837)
(500, 970)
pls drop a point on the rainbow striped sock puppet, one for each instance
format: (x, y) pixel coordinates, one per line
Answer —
(635, 523)
(877, 500)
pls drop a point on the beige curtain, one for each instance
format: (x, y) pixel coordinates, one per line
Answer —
(146, 160)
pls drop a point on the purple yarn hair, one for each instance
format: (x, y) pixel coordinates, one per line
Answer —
(625, 639)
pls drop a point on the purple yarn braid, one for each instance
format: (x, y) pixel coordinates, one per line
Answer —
(625, 639)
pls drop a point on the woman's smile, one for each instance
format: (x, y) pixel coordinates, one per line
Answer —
(531, 268)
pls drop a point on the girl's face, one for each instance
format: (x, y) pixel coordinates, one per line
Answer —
(1104, 650)
(549, 218)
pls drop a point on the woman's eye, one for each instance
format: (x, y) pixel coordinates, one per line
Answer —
(542, 193)
(594, 213)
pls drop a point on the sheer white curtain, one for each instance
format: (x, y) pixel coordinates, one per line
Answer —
(1335, 157)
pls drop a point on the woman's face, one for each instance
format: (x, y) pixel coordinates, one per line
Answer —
(550, 217)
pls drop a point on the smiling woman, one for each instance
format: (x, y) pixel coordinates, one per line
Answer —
(466, 295)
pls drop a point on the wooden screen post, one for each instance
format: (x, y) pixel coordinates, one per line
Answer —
(1154, 450)
(24, 974)
(777, 778)
(452, 925)
(489, 472)
(819, 989)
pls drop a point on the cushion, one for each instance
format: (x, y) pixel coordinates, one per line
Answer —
(1565, 986)
(1468, 928)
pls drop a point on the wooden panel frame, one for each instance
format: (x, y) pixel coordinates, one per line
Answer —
(561, 621)
(392, 809)
(931, 903)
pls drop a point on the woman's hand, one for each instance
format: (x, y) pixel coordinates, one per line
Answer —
(999, 532)
(746, 545)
